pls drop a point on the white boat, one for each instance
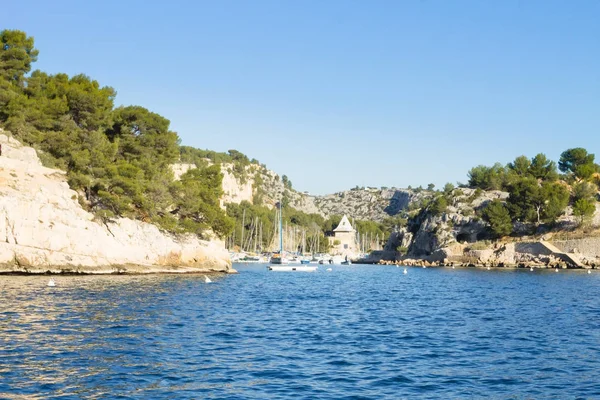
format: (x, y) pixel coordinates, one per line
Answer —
(278, 261)
(292, 268)
(337, 260)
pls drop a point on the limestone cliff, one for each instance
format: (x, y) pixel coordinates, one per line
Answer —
(43, 228)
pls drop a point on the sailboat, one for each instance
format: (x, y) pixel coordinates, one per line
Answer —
(278, 261)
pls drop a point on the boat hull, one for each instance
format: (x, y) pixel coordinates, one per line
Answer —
(291, 268)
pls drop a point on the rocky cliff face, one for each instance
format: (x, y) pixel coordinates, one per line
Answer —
(427, 233)
(43, 228)
(360, 203)
(368, 204)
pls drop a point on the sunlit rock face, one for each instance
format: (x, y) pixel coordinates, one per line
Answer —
(44, 228)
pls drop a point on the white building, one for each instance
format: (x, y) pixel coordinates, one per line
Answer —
(345, 237)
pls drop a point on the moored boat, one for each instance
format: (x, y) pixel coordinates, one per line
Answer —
(278, 261)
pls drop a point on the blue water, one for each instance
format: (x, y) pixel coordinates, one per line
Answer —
(359, 332)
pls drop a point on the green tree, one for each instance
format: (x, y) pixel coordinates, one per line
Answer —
(144, 138)
(584, 209)
(520, 166)
(584, 190)
(525, 200)
(531, 202)
(439, 205)
(89, 104)
(198, 203)
(16, 55)
(448, 188)
(542, 168)
(578, 162)
(497, 215)
(430, 186)
(488, 178)
(556, 199)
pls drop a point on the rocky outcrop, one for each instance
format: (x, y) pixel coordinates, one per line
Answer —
(44, 228)
(368, 204)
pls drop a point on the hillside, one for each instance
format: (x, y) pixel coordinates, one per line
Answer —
(43, 228)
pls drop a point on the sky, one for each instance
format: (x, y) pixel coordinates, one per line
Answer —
(340, 93)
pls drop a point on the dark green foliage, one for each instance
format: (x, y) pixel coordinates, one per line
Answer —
(16, 55)
(584, 190)
(331, 223)
(143, 137)
(286, 182)
(488, 178)
(439, 205)
(391, 224)
(520, 166)
(198, 204)
(402, 250)
(542, 168)
(497, 215)
(191, 155)
(584, 209)
(448, 188)
(525, 200)
(259, 219)
(556, 199)
(529, 201)
(120, 158)
(578, 162)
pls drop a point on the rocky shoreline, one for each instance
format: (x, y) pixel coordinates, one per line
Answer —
(526, 265)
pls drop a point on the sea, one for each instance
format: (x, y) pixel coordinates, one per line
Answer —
(355, 332)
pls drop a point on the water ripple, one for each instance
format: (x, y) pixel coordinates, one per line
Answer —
(355, 333)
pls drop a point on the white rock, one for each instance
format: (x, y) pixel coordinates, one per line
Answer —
(43, 227)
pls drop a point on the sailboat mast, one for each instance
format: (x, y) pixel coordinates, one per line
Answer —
(243, 223)
(280, 230)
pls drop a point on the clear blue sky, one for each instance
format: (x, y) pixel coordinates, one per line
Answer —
(336, 94)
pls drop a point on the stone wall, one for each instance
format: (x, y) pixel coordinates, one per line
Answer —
(589, 247)
(533, 248)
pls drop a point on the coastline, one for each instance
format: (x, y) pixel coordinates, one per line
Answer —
(114, 270)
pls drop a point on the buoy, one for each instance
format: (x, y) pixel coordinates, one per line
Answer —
(589, 272)
(556, 270)
(405, 271)
(424, 266)
(51, 282)
(207, 279)
(488, 268)
(453, 267)
(531, 269)
(329, 269)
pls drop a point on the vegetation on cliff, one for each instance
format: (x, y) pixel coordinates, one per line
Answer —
(118, 158)
(538, 193)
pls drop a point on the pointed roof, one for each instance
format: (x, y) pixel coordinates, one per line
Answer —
(344, 226)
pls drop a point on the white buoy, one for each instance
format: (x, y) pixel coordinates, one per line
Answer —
(405, 271)
(329, 269)
(488, 268)
(51, 282)
(531, 269)
(589, 272)
(453, 267)
(556, 270)
(207, 279)
(424, 266)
